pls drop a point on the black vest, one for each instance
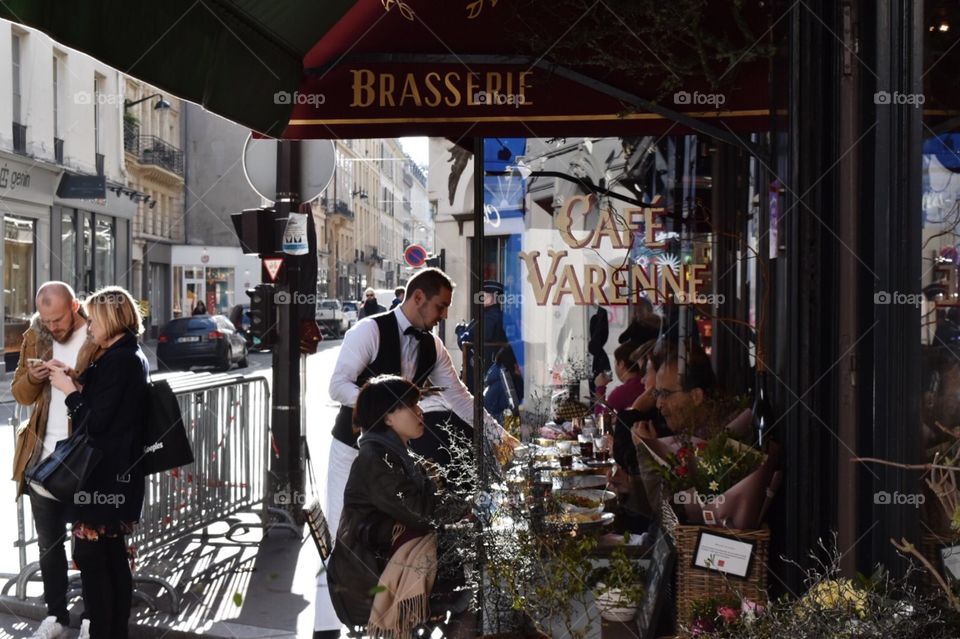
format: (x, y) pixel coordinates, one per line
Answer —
(387, 362)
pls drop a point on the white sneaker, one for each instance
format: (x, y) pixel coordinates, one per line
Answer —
(49, 628)
(84, 629)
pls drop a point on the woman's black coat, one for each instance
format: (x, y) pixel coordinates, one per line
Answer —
(112, 406)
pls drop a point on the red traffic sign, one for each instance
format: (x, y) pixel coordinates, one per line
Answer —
(272, 266)
(415, 255)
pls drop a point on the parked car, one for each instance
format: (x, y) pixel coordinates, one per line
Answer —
(349, 313)
(200, 340)
(330, 316)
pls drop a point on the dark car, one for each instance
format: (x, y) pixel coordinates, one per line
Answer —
(201, 340)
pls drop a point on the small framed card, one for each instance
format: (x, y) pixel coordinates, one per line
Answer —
(950, 556)
(721, 553)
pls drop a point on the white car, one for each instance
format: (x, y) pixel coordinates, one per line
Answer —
(331, 316)
(349, 313)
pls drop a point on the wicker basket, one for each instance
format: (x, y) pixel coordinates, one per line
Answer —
(694, 584)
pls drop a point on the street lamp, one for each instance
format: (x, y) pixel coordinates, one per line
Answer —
(161, 103)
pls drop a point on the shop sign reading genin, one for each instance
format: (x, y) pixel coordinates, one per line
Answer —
(611, 284)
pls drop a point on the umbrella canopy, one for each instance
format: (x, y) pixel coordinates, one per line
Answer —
(386, 68)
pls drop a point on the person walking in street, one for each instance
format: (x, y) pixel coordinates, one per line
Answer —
(56, 337)
(398, 294)
(399, 343)
(109, 401)
(370, 305)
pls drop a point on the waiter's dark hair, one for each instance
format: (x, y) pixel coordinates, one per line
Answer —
(431, 281)
(381, 396)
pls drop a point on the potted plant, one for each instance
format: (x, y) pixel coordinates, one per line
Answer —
(618, 587)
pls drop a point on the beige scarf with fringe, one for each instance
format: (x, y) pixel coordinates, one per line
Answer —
(403, 599)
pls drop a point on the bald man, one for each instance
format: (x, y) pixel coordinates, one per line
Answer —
(57, 336)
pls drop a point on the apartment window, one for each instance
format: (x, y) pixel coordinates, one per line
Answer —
(97, 90)
(17, 96)
(19, 129)
(57, 98)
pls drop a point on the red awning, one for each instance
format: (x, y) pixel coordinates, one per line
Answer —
(379, 73)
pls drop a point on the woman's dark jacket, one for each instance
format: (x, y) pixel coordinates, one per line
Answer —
(379, 493)
(112, 406)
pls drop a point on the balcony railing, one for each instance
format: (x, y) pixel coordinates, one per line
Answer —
(150, 149)
(339, 208)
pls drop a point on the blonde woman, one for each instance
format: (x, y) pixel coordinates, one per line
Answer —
(109, 401)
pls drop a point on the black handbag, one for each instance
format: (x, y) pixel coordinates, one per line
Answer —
(65, 471)
(165, 443)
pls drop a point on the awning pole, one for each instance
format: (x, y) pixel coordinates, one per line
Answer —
(478, 372)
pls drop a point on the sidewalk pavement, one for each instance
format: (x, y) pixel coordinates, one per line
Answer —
(253, 586)
(261, 586)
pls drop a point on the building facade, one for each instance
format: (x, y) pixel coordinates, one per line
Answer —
(375, 207)
(155, 165)
(209, 265)
(63, 111)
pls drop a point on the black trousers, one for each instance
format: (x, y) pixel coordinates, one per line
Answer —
(107, 585)
(50, 518)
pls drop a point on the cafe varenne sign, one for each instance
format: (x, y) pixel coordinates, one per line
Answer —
(552, 276)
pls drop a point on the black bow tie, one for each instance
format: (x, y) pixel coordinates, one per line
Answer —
(416, 332)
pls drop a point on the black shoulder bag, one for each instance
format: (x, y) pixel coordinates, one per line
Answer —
(65, 471)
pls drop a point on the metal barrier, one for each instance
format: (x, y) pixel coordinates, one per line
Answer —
(227, 420)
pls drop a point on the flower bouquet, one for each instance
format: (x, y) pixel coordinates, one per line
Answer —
(714, 481)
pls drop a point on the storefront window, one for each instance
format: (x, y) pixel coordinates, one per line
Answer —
(88, 285)
(19, 284)
(220, 291)
(649, 238)
(106, 252)
(68, 248)
(940, 300)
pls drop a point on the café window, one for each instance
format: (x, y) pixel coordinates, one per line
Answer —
(106, 252)
(68, 247)
(19, 273)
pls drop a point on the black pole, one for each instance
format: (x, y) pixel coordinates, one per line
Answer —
(477, 316)
(287, 471)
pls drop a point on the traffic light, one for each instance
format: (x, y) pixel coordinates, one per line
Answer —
(263, 313)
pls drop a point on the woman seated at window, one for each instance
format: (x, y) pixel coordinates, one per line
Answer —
(384, 562)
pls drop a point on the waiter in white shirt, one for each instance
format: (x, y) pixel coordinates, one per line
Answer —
(398, 342)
